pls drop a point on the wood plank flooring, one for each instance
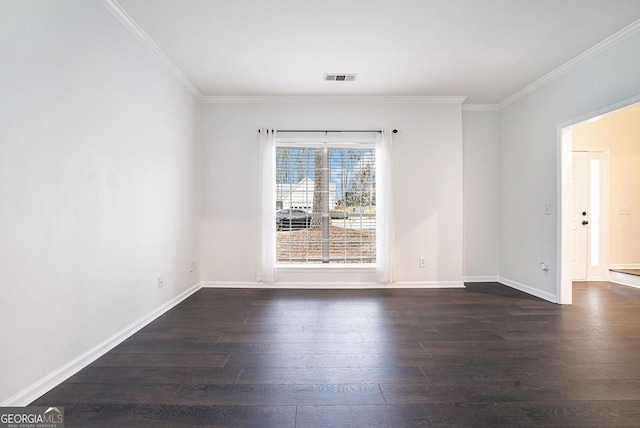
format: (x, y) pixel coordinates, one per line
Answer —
(484, 356)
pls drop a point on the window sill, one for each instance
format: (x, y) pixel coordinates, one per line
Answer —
(346, 267)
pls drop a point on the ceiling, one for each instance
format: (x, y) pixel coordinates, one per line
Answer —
(486, 50)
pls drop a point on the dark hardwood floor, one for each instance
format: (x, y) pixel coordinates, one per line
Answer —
(482, 356)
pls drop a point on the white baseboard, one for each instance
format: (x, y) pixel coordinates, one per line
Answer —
(529, 290)
(292, 285)
(334, 285)
(427, 284)
(234, 284)
(624, 266)
(625, 279)
(480, 278)
(44, 385)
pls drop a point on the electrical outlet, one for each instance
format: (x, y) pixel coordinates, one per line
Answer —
(160, 282)
(422, 263)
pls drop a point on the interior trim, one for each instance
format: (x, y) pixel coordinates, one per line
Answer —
(304, 99)
(585, 56)
(131, 25)
(529, 290)
(625, 279)
(333, 285)
(138, 32)
(487, 278)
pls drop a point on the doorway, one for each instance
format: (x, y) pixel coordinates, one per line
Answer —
(569, 214)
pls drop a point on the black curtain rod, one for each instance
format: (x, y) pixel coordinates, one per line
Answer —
(395, 131)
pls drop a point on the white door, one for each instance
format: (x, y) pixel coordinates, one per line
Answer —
(580, 215)
(588, 215)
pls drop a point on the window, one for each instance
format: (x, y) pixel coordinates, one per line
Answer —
(325, 203)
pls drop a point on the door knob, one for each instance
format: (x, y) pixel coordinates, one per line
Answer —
(584, 213)
(585, 222)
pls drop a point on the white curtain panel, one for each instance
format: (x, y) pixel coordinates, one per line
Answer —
(385, 229)
(266, 262)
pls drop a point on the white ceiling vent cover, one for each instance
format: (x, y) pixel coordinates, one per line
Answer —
(336, 77)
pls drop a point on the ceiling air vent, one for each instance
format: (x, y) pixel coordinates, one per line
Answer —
(335, 77)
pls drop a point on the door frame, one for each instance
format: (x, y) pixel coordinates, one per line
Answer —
(564, 148)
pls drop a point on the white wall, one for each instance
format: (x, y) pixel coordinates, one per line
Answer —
(481, 195)
(428, 183)
(99, 187)
(529, 158)
(619, 132)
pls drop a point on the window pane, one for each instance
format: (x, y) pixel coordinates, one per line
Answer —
(594, 223)
(326, 205)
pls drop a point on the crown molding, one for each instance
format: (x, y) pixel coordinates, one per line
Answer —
(292, 99)
(128, 22)
(480, 107)
(590, 53)
(154, 49)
